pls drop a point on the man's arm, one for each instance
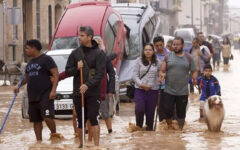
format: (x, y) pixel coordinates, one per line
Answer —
(54, 72)
(71, 68)
(111, 75)
(162, 72)
(217, 86)
(194, 77)
(16, 89)
(211, 49)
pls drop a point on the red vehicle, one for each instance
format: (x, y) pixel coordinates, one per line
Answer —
(105, 21)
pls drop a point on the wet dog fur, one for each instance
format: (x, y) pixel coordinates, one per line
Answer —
(214, 113)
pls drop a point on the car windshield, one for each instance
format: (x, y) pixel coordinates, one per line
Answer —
(133, 41)
(65, 43)
(184, 34)
(61, 61)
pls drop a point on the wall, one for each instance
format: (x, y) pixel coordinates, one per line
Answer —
(1, 31)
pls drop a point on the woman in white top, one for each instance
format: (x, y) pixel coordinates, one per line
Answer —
(145, 76)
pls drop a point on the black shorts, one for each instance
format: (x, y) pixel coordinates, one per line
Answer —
(91, 109)
(43, 109)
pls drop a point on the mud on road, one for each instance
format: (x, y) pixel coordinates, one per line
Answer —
(18, 133)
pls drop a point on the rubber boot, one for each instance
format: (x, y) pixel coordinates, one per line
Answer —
(181, 123)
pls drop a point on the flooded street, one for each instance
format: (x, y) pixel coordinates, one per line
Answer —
(18, 133)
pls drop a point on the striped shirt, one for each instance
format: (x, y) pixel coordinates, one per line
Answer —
(150, 79)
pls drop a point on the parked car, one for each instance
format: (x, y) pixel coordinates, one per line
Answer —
(63, 104)
(105, 21)
(187, 34)
(142, 24)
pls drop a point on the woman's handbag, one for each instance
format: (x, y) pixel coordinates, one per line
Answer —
(131, 86)
(131, 90)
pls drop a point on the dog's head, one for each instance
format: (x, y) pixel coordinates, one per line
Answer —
(215, 101)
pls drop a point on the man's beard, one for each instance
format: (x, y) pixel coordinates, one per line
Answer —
(178, 51)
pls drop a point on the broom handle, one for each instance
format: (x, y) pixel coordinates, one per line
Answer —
(82, 98)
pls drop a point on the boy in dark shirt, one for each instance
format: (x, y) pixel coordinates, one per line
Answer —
(41, 91)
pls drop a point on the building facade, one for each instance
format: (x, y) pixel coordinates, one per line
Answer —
(38, 19)
(195, 13)
(167, 11)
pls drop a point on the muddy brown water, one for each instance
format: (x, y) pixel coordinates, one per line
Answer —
(18, 133)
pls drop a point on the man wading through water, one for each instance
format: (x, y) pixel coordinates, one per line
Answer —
(41, 91)
(175, 70)
(93, 61)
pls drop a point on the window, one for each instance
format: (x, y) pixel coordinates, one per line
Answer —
(65, 43)
(109, 38)
(50, 23)
(61, 61)
(38, 19)
(134, 38)
(110, 32)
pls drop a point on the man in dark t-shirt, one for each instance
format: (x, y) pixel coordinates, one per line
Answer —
(41, 91)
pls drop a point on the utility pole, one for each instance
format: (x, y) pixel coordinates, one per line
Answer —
(192, 11)
(3, 20)
(201, 15)
(220, 17)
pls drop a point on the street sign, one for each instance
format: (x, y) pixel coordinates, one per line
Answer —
(14, 16)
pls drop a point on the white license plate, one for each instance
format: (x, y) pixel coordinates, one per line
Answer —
(63, 106)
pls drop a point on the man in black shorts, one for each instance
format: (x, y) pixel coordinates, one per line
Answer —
(90, 57)
(41, 91)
